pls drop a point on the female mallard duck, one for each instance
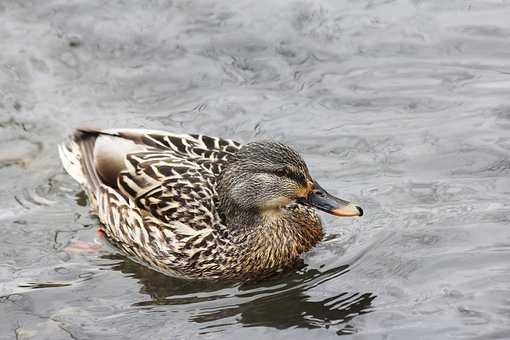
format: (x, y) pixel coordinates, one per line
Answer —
(194, 206)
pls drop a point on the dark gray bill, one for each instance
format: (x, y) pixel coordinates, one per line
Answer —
(322, 200)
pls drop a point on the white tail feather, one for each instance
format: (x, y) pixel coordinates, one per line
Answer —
(70, 157)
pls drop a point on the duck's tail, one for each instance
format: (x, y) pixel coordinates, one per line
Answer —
(95, 158)
(77, 156)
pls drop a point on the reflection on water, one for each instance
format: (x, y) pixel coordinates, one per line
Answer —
(280, 301)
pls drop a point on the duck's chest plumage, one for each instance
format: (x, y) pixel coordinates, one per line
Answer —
(280, 243)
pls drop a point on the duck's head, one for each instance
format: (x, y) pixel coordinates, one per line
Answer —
(262, 177)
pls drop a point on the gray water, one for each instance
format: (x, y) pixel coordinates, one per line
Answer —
(400, 106)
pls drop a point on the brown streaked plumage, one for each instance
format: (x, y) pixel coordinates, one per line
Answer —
(195, 206)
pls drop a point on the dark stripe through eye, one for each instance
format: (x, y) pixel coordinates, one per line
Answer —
(298, 177)
(289, 173)
(281, 172)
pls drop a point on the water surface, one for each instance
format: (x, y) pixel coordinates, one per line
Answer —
(401, 106)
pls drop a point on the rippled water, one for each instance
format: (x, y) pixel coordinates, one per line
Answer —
(401, 106)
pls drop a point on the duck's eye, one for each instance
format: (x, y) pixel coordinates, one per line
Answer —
(280, 172)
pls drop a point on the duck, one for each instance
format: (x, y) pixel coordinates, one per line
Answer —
(198, 207)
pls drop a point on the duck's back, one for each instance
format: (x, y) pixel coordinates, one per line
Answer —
(154, 192)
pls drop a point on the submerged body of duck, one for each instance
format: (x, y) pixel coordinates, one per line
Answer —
(195, 206)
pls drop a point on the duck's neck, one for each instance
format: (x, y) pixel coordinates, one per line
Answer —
(278, 238)
(241, 221)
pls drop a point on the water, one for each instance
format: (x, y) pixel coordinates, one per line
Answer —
(401, 106)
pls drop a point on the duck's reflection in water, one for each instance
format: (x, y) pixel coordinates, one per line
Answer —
(281, 301)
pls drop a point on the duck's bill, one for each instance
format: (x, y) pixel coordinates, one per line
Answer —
(322, 200)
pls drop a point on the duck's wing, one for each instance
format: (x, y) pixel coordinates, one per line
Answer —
(93, 157)
(171, 187)
(172, 176)
(154, 191)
